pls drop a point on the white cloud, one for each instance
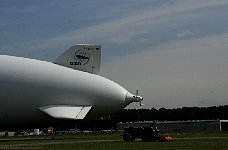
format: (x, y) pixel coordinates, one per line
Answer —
(185, 34)
(147, 21)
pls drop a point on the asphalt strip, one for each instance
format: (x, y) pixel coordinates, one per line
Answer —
(13, 146)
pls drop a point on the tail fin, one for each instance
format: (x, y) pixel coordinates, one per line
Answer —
(84, 57)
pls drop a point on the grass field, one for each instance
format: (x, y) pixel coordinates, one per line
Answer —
(196, 141)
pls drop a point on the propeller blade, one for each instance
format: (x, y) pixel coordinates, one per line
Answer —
(140, 102)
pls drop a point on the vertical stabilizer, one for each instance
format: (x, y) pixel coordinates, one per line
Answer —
(84, 57)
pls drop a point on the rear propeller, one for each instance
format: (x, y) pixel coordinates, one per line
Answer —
(139, 98)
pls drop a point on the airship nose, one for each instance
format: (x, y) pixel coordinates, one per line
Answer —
(132, 98)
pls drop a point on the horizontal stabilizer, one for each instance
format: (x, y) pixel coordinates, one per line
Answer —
(66, 112)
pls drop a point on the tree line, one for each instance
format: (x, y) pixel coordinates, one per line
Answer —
(175, 114)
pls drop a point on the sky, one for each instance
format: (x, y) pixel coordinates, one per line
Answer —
(175, 52)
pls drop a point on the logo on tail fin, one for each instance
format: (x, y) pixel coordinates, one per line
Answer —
(81, 58)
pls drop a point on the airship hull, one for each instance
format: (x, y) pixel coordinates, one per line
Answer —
(28, 85)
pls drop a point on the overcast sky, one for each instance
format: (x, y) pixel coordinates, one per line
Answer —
(174, 51)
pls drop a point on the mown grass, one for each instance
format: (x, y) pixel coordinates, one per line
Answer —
(195, 141)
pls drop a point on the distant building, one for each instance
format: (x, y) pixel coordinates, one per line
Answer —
(181, 126)
(6, 133)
